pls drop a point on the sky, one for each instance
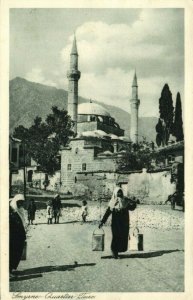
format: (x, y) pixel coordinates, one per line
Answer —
(112, 44)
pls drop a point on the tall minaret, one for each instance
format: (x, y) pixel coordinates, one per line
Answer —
(73, 76)
(134, 111)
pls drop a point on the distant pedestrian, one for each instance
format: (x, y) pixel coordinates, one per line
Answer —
(118, 207)
(49, 212)
(17, 234)
(31, 211)
(57, 205)
(84, 210)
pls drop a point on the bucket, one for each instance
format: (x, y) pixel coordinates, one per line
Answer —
(98, 240)
(136, 240)
(24, 253)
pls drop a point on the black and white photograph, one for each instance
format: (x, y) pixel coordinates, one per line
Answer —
(96, 191)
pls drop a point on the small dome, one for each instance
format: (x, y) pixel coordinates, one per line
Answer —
(92, 109)
(125, 139)
(113, 136)
(88, 133)
(101, 133)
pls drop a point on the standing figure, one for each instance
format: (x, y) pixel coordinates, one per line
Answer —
(31, 211)
(57, 205)
(49, 212)
(17, 235)
(84, 210)
(118, 207)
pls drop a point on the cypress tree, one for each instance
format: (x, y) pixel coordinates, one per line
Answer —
(178, 123)
(166, 110)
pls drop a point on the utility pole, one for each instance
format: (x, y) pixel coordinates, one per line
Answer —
(24, 171)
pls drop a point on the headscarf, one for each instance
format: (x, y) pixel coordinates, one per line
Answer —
(116, 202)
(19, 210)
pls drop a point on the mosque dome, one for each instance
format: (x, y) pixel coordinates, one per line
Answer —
(90, 108)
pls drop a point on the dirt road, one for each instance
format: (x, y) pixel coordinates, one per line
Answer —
(60, 259)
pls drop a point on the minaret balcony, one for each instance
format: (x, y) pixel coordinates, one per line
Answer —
(135, 101)
(73, 74)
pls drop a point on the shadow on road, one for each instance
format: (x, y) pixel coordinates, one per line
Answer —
(93, 222)
(25, 277)
(144, 255)
(36, 272)
(45, 223)
(70, 222)
(64, 205)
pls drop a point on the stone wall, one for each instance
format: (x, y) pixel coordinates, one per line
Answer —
(97, 185)
(149, 188)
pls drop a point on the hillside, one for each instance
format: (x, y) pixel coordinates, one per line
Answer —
(29, 99)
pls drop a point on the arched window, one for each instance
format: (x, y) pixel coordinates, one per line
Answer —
(69, 167)
(83, 167)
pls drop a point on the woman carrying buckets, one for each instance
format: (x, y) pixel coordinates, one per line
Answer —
(119, 207)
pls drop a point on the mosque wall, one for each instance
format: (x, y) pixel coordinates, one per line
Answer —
(94, 125)
(78, 159)
(86, 126)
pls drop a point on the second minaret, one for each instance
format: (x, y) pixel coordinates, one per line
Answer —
(73, 76)
(134, 111)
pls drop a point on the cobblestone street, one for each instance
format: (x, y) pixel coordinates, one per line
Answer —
(60, 259)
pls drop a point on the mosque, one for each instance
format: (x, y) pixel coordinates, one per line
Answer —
(98, 140)
(89, 160)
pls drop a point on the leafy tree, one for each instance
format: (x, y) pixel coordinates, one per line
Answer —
(44, 139)
(137, 159)
(178, 123)
(127, 162)
(165, 122)
(21, 133)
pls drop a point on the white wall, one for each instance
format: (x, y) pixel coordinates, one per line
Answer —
(150, 187)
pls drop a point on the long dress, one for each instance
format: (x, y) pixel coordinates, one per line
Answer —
(57, 205)
(119, 226)
(31, 211)
(17, 237)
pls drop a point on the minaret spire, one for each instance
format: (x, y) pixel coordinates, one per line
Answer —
(74, 50)
(135, 80)
(73, 76)
(134, 111)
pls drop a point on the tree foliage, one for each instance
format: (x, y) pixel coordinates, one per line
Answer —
(178, 123)
(165, 123)
(43, 139)
(137, 158)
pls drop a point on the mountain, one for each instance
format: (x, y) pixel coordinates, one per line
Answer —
(29, 99)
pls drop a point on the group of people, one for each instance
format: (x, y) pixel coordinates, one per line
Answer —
(118, 207)
(54, 210)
